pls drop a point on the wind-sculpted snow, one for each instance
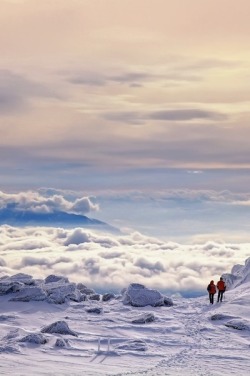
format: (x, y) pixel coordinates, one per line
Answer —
(239, 274)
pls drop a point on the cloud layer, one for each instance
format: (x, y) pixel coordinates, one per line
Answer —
(100, 260)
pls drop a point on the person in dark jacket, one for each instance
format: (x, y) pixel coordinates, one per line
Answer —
(211, 288)
(221, 286)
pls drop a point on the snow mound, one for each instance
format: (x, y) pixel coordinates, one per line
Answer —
(37, 339)
(59, 327)
(133, 345)
(10, 349)
(97, 310)
(138, 295)
(221, 316)
(238, 324)
(144, 318)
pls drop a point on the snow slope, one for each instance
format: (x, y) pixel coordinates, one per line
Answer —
(96, 337)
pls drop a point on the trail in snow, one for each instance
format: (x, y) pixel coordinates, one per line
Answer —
(205, 349)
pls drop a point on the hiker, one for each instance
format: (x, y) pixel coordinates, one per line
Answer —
(211, 288)
(221, 289)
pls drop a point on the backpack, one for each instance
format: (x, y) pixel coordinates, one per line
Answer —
(208, 287)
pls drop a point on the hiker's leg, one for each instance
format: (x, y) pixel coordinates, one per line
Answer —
(210, 297)
(221, 295)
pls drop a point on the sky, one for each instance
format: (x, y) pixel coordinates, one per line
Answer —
(134, 112)
(119, 94)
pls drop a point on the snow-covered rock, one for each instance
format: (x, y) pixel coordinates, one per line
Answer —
(30, 293)
(96, 297)
(9, 287)
(77, 296)
(14, 283)
(9, 349)
(133, 345)
(144, 318)
(59, 292)
(221, 316)
(36, 338)
(168, 302)
(60, 327)
(80, 286)
(87, 291)
(108, 296)
(26, 279)
(238, 324)
(62, 342)
(97, 310)
(138, 295)
(55, 278)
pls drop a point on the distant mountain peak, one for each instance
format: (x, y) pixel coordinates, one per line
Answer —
(15, 217)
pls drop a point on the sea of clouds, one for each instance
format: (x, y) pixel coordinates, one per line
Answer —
(105, 261)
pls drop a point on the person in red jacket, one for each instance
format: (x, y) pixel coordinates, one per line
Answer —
(221, 289)
(211, 288)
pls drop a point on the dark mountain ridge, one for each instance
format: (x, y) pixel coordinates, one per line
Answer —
(15, 217)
